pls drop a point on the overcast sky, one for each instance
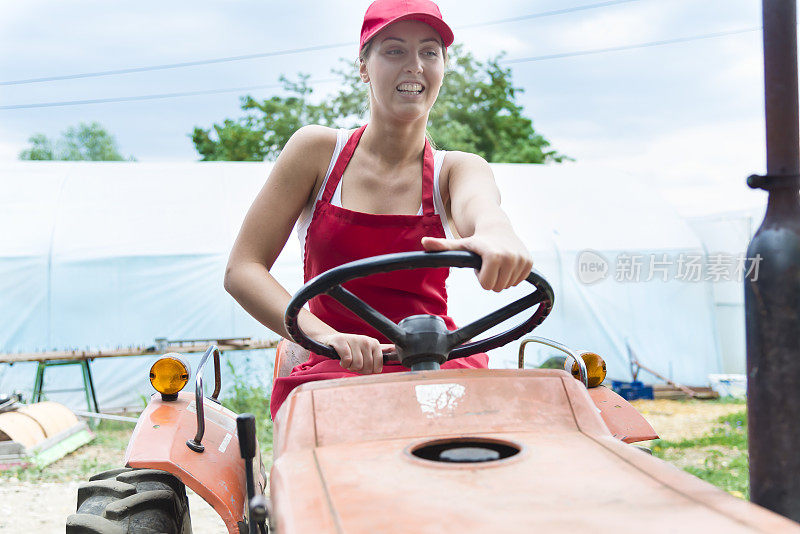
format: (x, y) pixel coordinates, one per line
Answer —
(677, 113)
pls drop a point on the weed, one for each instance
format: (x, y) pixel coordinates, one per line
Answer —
(62, 470)
(554, 362)
(721, 455)
(113, 434)
(726, 471)
(246, 397)
(727, 400)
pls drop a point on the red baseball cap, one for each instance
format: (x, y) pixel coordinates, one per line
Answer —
(381, 13)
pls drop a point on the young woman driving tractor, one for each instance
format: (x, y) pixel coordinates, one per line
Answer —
(375, 190)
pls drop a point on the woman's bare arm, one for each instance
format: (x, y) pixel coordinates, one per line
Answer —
(264, 233)
(476, 213)
(266, 228)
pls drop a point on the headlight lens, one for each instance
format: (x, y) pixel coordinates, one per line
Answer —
(595, 368)
(169, 374)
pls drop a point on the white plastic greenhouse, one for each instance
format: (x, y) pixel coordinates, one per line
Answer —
(102, 255)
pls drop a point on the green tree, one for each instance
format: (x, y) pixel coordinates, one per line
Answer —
(85, 142)
(476, 111)
(262, 133)
(41, 148)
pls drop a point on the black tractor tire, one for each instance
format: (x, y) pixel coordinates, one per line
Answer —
(128, 501)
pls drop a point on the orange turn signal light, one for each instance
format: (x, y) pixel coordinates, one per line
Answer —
(595, 368)
(169, 374)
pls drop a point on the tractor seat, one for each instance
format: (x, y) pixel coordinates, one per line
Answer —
(288, 355)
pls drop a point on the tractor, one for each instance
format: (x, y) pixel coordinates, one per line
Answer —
(424, 451)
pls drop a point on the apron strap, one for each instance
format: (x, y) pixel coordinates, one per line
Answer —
(427, 181)
(341, 164)
(347, 153)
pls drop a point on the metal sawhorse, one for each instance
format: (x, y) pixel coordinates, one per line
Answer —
(88, 383)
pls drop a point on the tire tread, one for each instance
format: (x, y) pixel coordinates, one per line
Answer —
(127, 501)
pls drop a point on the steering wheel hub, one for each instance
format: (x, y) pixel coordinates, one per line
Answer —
(426, 345)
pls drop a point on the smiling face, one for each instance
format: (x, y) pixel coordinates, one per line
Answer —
(404, 67)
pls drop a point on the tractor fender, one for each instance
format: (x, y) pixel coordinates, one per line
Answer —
(622, 419)
(217, 474)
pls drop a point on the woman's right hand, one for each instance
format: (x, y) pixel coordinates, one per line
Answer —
(359, 354)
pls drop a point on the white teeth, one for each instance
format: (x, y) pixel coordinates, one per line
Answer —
(410, 87)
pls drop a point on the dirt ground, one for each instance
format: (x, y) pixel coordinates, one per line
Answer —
(43, 507)
(41, 503)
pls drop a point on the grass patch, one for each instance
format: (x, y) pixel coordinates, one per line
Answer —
(80, 469)
(729, 472)
(723, 400)
(246, 397)
(113, 434)
(719, 457)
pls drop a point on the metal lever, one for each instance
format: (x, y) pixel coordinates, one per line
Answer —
(246, 432)
(195, 443)
(259, 510)
(582, 372)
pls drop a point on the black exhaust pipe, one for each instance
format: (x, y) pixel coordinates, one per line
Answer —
(772, 301)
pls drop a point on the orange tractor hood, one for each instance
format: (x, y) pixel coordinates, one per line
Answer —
(344, 462)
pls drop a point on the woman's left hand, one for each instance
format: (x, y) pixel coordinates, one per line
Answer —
(505, 260)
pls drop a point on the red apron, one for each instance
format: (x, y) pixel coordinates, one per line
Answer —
(336, 236)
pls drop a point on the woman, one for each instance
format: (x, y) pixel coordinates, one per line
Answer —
(357, 194)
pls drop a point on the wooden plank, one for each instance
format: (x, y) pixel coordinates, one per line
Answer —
(229, 340)
(187, 346)
(667, 391)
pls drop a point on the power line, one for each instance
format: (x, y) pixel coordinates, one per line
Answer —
(156, 96)
(327, 80)
(176, 65)
(294, 50)
(552, 13)
(630, 47)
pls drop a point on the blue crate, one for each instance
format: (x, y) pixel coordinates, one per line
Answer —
(632, 390)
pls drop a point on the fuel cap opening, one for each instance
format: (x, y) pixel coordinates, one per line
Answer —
(465, 450)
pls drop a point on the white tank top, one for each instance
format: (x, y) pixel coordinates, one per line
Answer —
(341, 139)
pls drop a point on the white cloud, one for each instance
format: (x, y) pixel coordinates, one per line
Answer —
(609, 27)
(743, 61)
(719, 152)
(485, 43)
(107, 35)
(9, 151)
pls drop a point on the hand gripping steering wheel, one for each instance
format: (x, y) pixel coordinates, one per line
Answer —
(423, 341)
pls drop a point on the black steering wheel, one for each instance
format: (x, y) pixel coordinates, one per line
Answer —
(422, 341)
